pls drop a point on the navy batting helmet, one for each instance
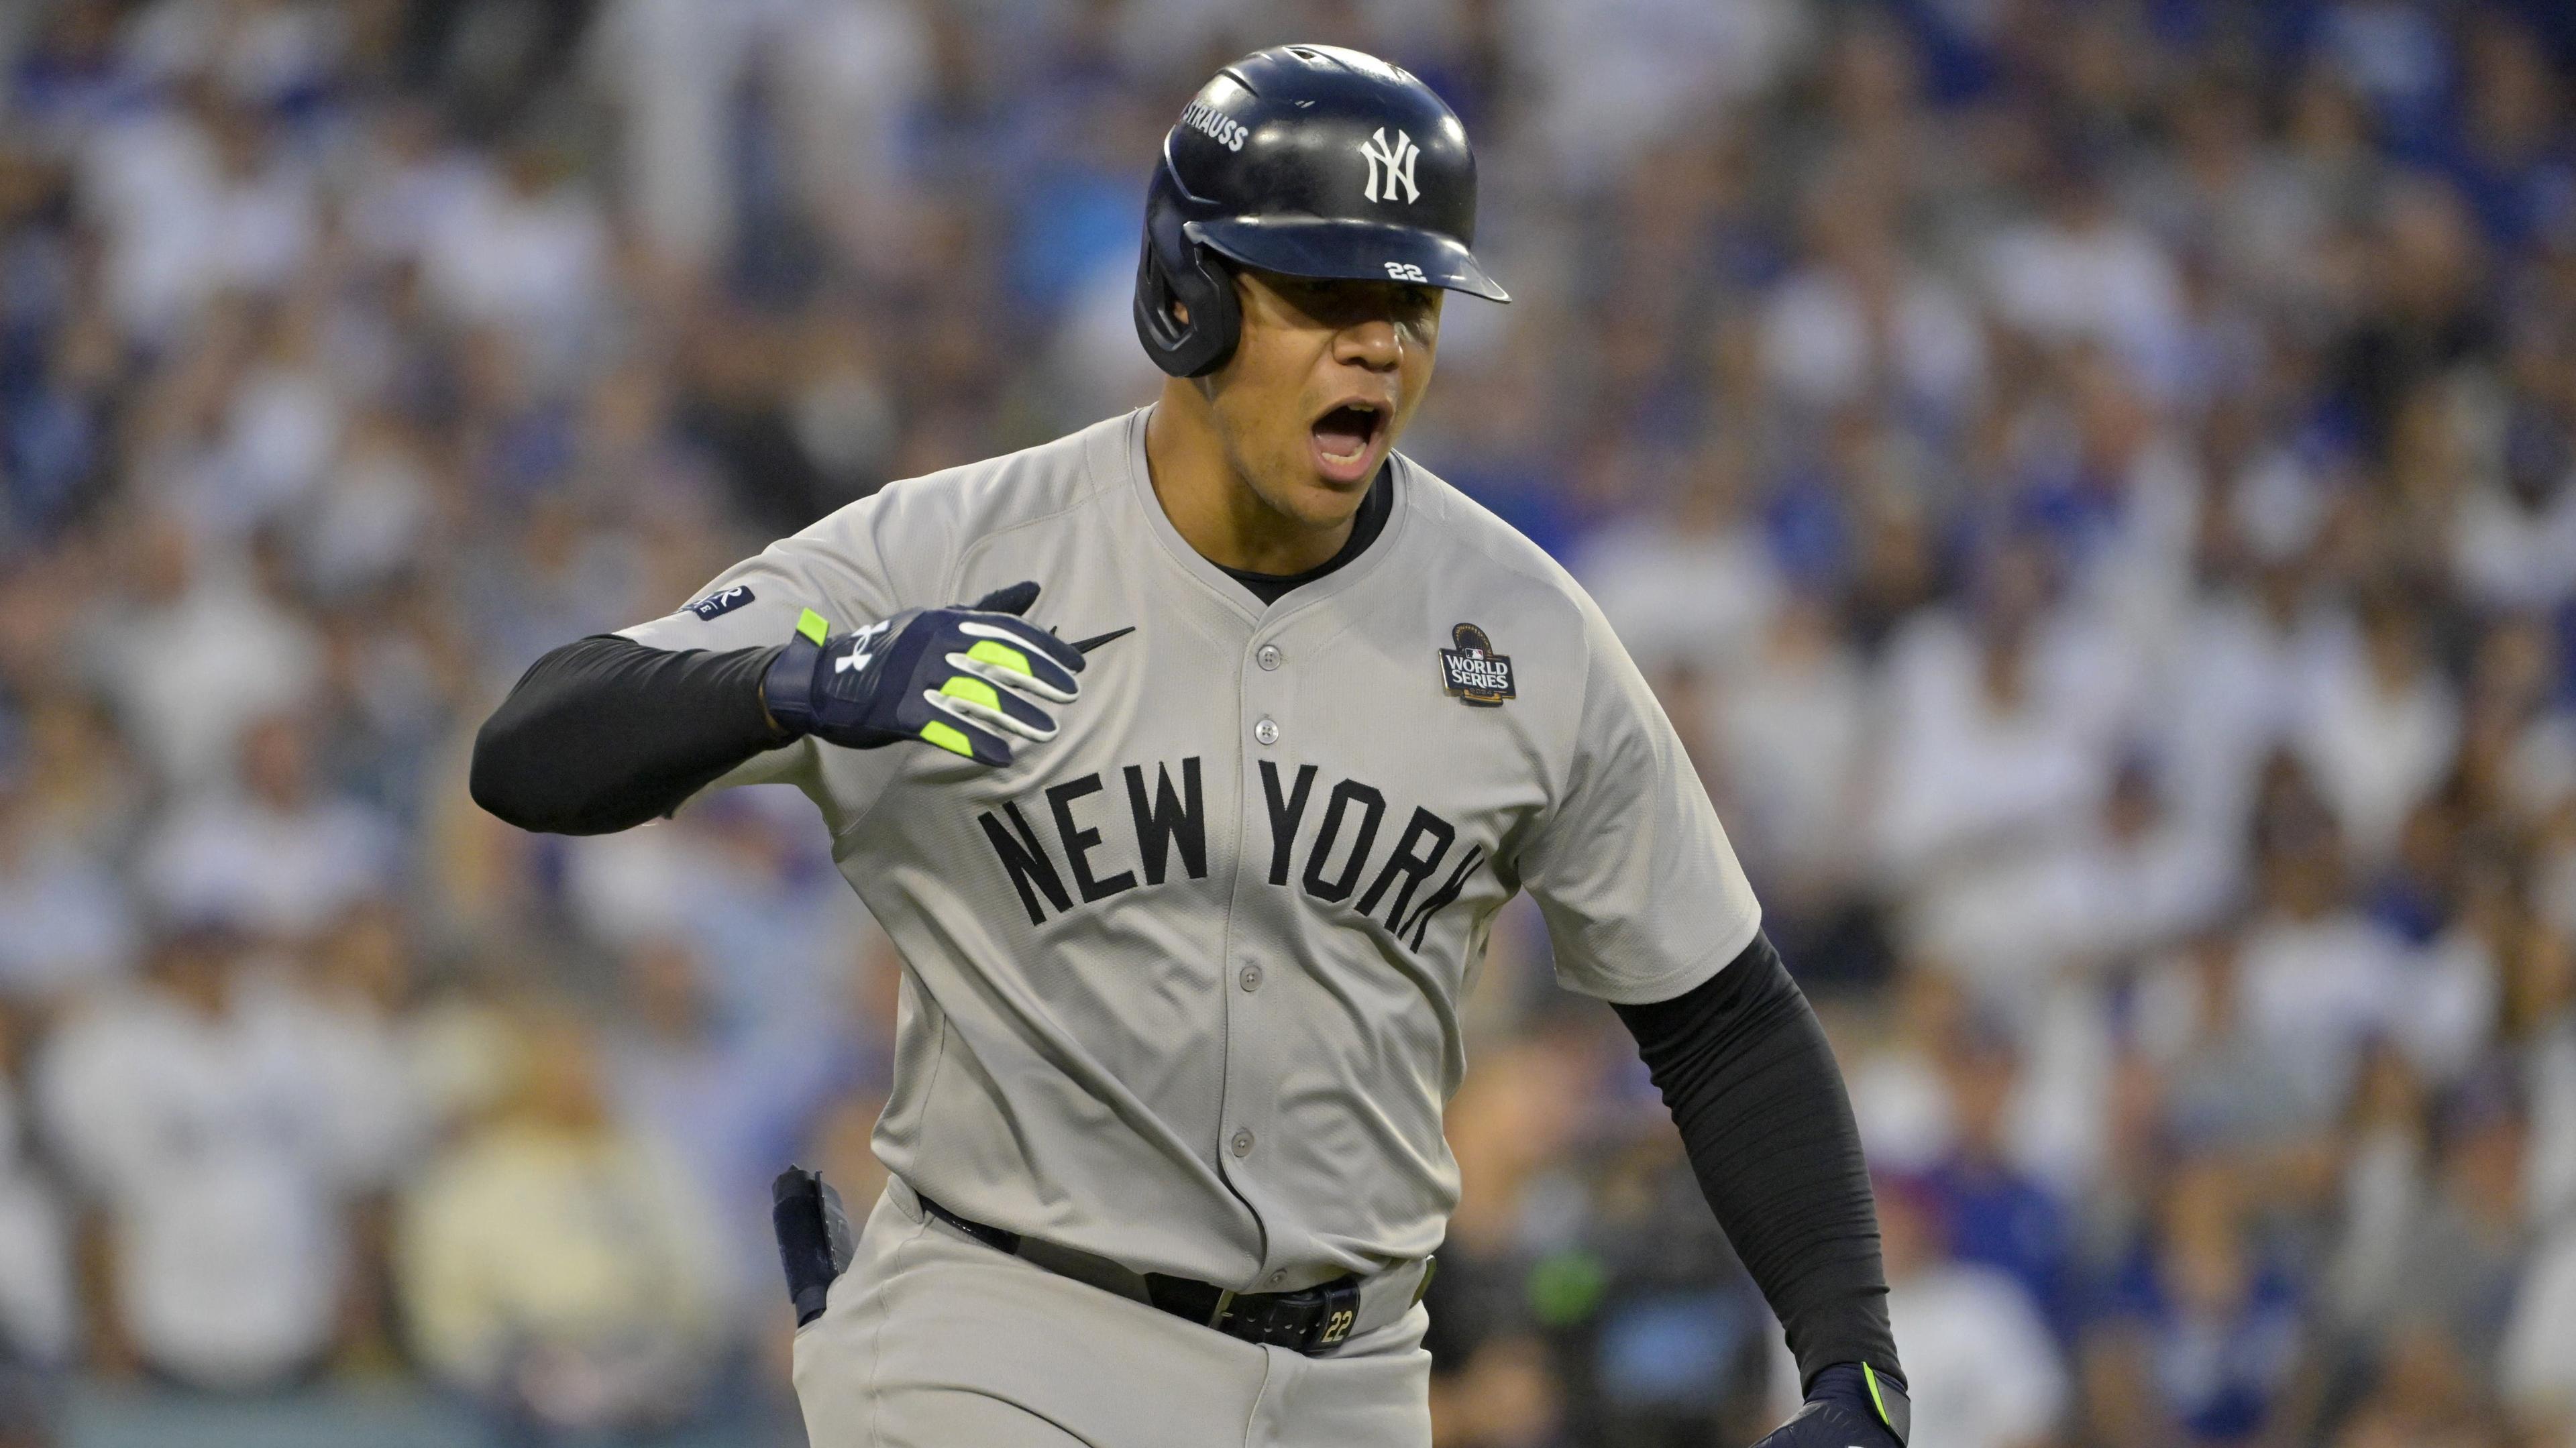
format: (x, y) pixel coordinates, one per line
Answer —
(1310, 160)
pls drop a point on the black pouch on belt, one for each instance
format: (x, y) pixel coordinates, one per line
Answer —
(815, 1243)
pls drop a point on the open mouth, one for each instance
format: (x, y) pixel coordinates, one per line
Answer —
(1346, 438)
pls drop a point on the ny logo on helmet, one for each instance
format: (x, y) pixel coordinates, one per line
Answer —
(1390, 166)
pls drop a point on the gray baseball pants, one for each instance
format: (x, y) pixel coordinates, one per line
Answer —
(934, 1340)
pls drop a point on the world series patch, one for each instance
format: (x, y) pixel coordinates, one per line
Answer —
(721, 602)
(1472, 673)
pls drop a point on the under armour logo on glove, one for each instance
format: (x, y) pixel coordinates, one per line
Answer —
(860, 650)
(966, 679)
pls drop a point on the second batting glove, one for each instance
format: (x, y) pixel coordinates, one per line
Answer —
(966, 679)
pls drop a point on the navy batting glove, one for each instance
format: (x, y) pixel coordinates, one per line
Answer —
(966, 679)
(1849, 1406)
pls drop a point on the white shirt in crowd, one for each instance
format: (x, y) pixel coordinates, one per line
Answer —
(1682, 596)
(223, 1151)
(1792, 729)
(2377, 746)
(529, 259)
(179, 229)
(2088, 902)
(844, 75)
(1818, 348)
(1966, 781)
(2231, 693)
(38, 1312)
(1982, 1368)
(64, 918)
(2315, 990)
(2509, 557)
(2538, 1359)
(2092, 278)
(1612, 77)
(188, 675)
(272, 870)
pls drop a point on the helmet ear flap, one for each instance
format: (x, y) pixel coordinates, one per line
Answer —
(1172, 268)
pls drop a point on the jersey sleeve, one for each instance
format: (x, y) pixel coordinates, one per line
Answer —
(857, 565)
(1643, 896)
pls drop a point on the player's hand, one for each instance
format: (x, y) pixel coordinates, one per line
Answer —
(1845, 1410)
(967, 679)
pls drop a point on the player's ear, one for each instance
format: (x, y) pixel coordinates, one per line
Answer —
(1180, 311)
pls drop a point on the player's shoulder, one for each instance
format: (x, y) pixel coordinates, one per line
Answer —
(943, 513)
(1464, 538)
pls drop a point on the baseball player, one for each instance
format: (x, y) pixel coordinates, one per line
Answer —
(1186, 760)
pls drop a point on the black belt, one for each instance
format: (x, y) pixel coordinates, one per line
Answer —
(1314, 1321)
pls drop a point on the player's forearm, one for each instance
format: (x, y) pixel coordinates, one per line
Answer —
(1744, 1065)
(605, 733)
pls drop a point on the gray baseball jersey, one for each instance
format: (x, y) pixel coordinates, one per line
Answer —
(1182, 985)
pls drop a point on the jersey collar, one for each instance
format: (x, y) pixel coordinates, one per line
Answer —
(1129, 456)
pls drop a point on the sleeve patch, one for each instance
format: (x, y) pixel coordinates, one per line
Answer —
(721, 602)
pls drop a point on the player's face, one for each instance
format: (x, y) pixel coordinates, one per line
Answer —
(1325, 379)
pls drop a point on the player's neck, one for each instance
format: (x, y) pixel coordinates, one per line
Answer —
(1214, 507)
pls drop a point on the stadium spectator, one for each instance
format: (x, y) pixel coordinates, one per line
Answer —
(64, 919)
(218, 1128)
(558, 1266)
(2015, 1395)
(2201, 1316)
(277, 857)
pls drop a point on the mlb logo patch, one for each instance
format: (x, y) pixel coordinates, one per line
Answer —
(1472, 673)
(721, 602)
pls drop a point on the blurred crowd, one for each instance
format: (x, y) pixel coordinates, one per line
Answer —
(2094, 483)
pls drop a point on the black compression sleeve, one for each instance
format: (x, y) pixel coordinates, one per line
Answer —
(604, 734)
(1744, 1066)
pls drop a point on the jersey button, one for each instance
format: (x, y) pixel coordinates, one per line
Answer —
(1269, 656)
(1242, 1143)
(1267, 731)
(1279, 1276)
(1250, 977)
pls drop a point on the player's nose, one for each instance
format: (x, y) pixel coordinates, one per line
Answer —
(1374, 343)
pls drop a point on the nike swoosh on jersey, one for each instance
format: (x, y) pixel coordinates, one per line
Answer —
(1084, 646)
